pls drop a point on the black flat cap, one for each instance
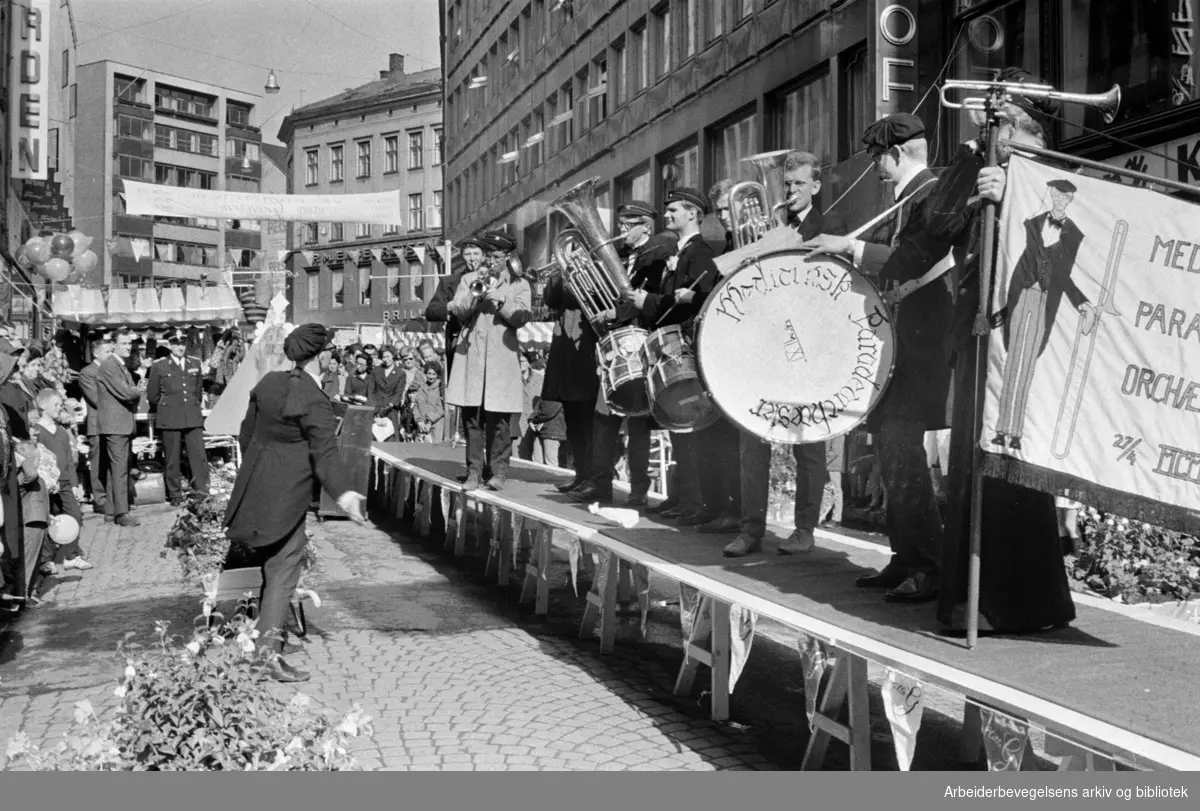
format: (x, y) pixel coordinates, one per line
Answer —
(893, 130)
(1063, 185)
(636, 208)
(473, 242)
(499, 241)
(692, 197)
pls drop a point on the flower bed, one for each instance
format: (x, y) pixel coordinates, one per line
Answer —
(203, 705)
(1135, 561)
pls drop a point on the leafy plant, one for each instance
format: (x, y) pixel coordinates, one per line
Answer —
(203, 705)
(1135, 561)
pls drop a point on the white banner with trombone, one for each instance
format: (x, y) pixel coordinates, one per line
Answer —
(1094, 372)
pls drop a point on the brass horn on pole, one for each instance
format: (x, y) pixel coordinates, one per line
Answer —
(1106, 103)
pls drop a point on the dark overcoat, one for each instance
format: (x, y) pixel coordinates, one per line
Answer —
(694, 264)
(571, 365)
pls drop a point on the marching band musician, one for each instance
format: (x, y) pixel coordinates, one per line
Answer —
(438, 309)
(485, 380)
(646, 264)
(915, 401)
(685, 286)
(1023, 585)
(802, 182)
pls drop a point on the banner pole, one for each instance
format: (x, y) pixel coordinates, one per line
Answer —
(1141, 177)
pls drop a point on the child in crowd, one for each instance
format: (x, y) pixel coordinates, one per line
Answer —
(66, 495)
(428, 406)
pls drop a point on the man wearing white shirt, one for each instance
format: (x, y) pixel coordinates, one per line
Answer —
(174, 390)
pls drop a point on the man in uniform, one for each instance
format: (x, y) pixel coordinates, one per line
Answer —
(683, 291)
(916, 399)
(646, 263)
(174, 391)
(802, 182)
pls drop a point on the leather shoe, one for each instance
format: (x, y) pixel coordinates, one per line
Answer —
(741, 546)
(574, 484)
(590, 493)
(672, 513)
(636, 500)
(889, 578)
(694, 519)
(127, 521)
(920, 587)
(722, 524)
(470, 483)
(496, 483)
(798, 543)
(283, 672)
(665, 506)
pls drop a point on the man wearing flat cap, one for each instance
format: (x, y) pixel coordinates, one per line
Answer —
(646, 263)
(684, 289)
(289, 442)
(472, 250)
(903, 249)
(174, 391)
(1040, 280)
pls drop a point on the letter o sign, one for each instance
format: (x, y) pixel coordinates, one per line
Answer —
(904, 31)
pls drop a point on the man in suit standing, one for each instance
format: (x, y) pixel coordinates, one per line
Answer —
(1039, 282)
(89, 384)
(289, 442)
(173, 391)
(802, 182)
(916, 399)
(117, 398)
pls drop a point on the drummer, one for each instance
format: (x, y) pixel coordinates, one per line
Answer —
(802, 182)
(646, 263)
(690, 276)
(916, 399)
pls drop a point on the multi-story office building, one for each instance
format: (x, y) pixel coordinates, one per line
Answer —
(138, 124)
(651, 94)
(382, 136)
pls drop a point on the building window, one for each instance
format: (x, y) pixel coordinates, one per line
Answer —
(337, 163)
(129, 89)
(74, 102)
(337, 285)
(687, 27)
(392, 228)
(311, 234)
(172, 100)
(337, 231)
(242, 184)
(620, 56)
(362, 231)
(662, 42)
(1008, 35)
(435, 213)
(130, 127)
(598, 92)
(416, 219)
(364, 158)
(714, 19)
(314, 291)
(537, 129)
(167, 175)
(566, 97)
(199, 143)
(634, 185)
(1145, 47)
(800, 117)
(639, 65)
(364, 287)
(855, 109)
(743, 9)
(416, 149)
(188, 253)
(393, 284)
(391, 154)
(729, 144)
(682, 168)
(237, 114)
(66, 68)
(241, 148)
(438, 145)
(310, 174)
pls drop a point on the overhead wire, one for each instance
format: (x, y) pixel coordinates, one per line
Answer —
(147, 22)
(368, 36)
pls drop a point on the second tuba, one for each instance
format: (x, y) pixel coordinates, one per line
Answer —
(753, 209)
(592, 270)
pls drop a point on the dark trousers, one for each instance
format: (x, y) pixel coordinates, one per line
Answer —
(913, 521)
(489, 441)
(64, 503)
(606, 439)
(117, 447)
(281, 570)
(578, 415)
(718, 449)
(173, 443)
(811, 476)
(687, 459)
(97, 464)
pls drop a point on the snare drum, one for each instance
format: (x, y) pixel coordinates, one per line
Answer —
(796, 348)
(678, 400)
(622, 371)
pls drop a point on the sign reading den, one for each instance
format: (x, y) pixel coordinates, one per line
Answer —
(29, 101)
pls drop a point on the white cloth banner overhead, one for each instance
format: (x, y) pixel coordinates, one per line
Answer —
(149, 199)
(1093, 380)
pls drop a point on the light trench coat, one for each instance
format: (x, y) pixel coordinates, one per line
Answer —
(486, 370)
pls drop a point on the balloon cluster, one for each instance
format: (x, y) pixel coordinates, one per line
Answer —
(63, 258)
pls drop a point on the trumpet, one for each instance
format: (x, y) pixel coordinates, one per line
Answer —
(751, 211)
(1106, 104)
(492, 270)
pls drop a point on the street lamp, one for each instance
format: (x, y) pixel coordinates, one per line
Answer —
(272, 85)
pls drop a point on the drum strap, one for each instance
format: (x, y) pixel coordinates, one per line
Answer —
(862, 229)
(906, 289)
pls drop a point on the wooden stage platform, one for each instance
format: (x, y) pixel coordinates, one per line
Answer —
(1121, 689)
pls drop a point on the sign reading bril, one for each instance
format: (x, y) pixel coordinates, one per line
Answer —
(29, 99)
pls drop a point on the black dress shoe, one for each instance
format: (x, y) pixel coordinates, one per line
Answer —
(574, 484)
(669, 504)
(636, 500)
(671, 514)
(283, 672)
(496, 483)
(889, 578)
(694, 519)
(590, 494)
(470, 483)
(920, 587)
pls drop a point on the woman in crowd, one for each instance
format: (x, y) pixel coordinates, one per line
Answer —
(389, 382)
(429, 405)
(359, 383)
(17, 395)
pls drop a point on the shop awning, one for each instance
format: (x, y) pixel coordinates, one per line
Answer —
(147, 306)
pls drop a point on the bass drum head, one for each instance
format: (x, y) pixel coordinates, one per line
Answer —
(796, 348)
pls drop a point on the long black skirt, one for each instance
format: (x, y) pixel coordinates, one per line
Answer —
(1023, 579)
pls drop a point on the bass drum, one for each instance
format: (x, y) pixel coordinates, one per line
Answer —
(796, 347)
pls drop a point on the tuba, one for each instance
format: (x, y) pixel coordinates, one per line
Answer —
(591, 268)
(751, 210)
